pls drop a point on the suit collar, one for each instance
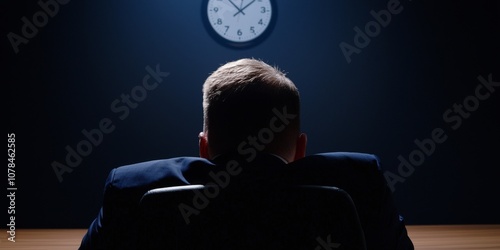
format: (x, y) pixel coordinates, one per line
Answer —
(260, 159)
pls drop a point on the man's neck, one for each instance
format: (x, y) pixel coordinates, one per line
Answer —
(235, 156)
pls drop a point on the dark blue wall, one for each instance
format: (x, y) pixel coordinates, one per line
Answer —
(395, 91)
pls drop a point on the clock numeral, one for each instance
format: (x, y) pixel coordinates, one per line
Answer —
(239, 21)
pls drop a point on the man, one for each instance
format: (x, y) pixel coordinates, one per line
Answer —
(251, 117)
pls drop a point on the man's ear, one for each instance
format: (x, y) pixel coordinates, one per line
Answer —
(300, 150)
(203, 144)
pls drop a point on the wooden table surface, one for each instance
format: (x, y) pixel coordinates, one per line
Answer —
(456, 237)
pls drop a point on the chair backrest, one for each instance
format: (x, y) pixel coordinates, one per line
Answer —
(208, 217)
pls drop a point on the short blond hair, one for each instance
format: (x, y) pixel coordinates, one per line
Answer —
(238, 99)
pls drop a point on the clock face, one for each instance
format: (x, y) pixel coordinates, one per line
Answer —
(240, 22)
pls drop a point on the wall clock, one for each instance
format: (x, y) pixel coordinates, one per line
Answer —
(239, 23)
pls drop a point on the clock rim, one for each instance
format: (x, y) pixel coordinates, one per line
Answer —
(239, 45)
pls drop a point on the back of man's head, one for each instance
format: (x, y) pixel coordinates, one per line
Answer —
(249, 98)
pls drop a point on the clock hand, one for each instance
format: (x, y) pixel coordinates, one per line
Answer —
(239, 10)
(246, 6)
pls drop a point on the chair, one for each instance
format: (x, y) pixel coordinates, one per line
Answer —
(267, 217)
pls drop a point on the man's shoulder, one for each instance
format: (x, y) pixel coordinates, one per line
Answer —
(163, 171)
(340, 159)
(172, 164)
(346, 170)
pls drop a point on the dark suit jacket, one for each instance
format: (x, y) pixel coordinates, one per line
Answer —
(116, 226)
